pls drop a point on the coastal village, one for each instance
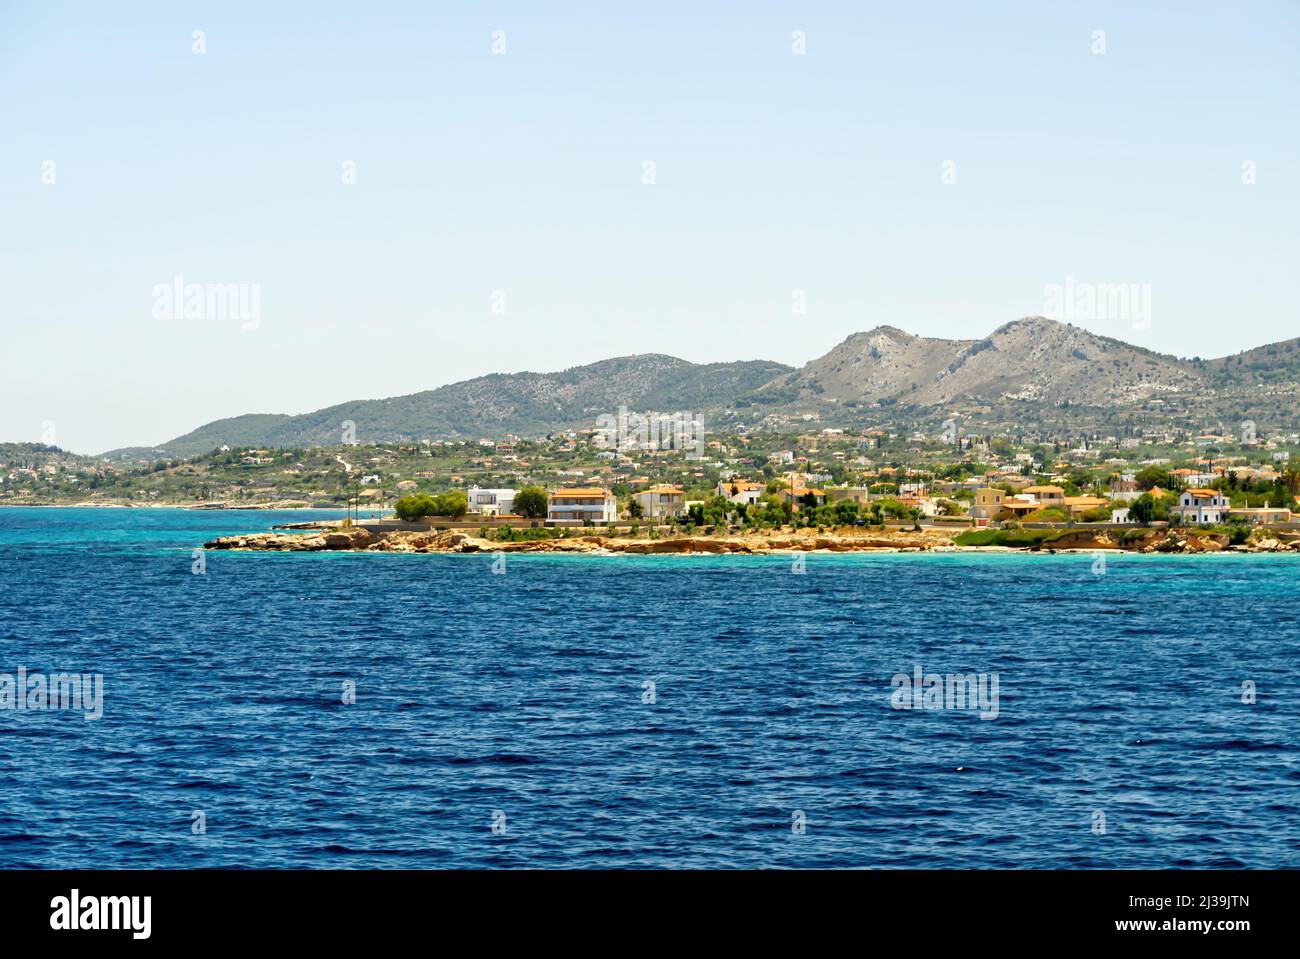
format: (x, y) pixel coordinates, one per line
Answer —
(813, 477)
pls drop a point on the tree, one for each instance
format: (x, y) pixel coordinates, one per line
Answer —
(453, 503)
(531, 502)
(411, 508)
(845, 512)
(1147, 508)
(894, 508)
(1153, 476)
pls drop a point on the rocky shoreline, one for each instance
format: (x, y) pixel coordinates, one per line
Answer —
(851, 540)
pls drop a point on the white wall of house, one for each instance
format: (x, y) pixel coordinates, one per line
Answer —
(584, 509)
(1195, 510)
(746, 496)
(490, 502)
(655, 505)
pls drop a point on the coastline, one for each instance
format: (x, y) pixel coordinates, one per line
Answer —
(850, 540)
(196, 507)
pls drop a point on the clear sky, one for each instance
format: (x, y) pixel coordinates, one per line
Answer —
(523, 172)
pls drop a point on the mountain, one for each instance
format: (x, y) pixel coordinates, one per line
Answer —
(1034, 374)
(1277, 362)
(1033, 359)
(526, 404)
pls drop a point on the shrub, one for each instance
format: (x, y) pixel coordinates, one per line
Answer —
(530, 502)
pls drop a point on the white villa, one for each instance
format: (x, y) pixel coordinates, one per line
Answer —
(490, 502)
(741, 491)
(660, 502)
(1196, 506)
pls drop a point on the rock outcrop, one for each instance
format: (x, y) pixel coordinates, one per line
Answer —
(845, 540)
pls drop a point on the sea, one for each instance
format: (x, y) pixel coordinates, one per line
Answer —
(335, 710)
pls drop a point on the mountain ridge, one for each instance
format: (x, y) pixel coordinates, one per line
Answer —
(1025, 366)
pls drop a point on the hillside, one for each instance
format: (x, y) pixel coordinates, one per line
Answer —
(1033, 359)
(1032, 373)
(524, 404)
(1276, 362)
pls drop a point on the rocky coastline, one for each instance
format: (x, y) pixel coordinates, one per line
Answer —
(848, 540)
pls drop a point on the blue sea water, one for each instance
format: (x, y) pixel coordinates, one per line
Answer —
(519, 699)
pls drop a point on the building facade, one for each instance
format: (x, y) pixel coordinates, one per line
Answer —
(584, 504)
(1201, 506)
(741, 491)
(490, 502)
(662, 502)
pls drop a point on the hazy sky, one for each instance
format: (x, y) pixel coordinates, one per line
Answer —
(524, 172)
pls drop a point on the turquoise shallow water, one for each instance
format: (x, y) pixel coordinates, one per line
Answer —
(482, 696)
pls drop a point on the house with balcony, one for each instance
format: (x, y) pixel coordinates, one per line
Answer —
(1046, 496)
(490, 502)
(581, 504)
(1201, 506)
(662, 502)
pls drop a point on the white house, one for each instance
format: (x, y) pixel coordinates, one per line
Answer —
(1120, 516)
(659, 502)
(1196, 506)
(491, 502)
(741, 491)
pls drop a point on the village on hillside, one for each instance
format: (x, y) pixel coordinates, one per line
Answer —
(822, 477)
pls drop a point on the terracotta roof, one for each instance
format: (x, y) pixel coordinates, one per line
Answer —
(1203, 492)
(581, 491)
